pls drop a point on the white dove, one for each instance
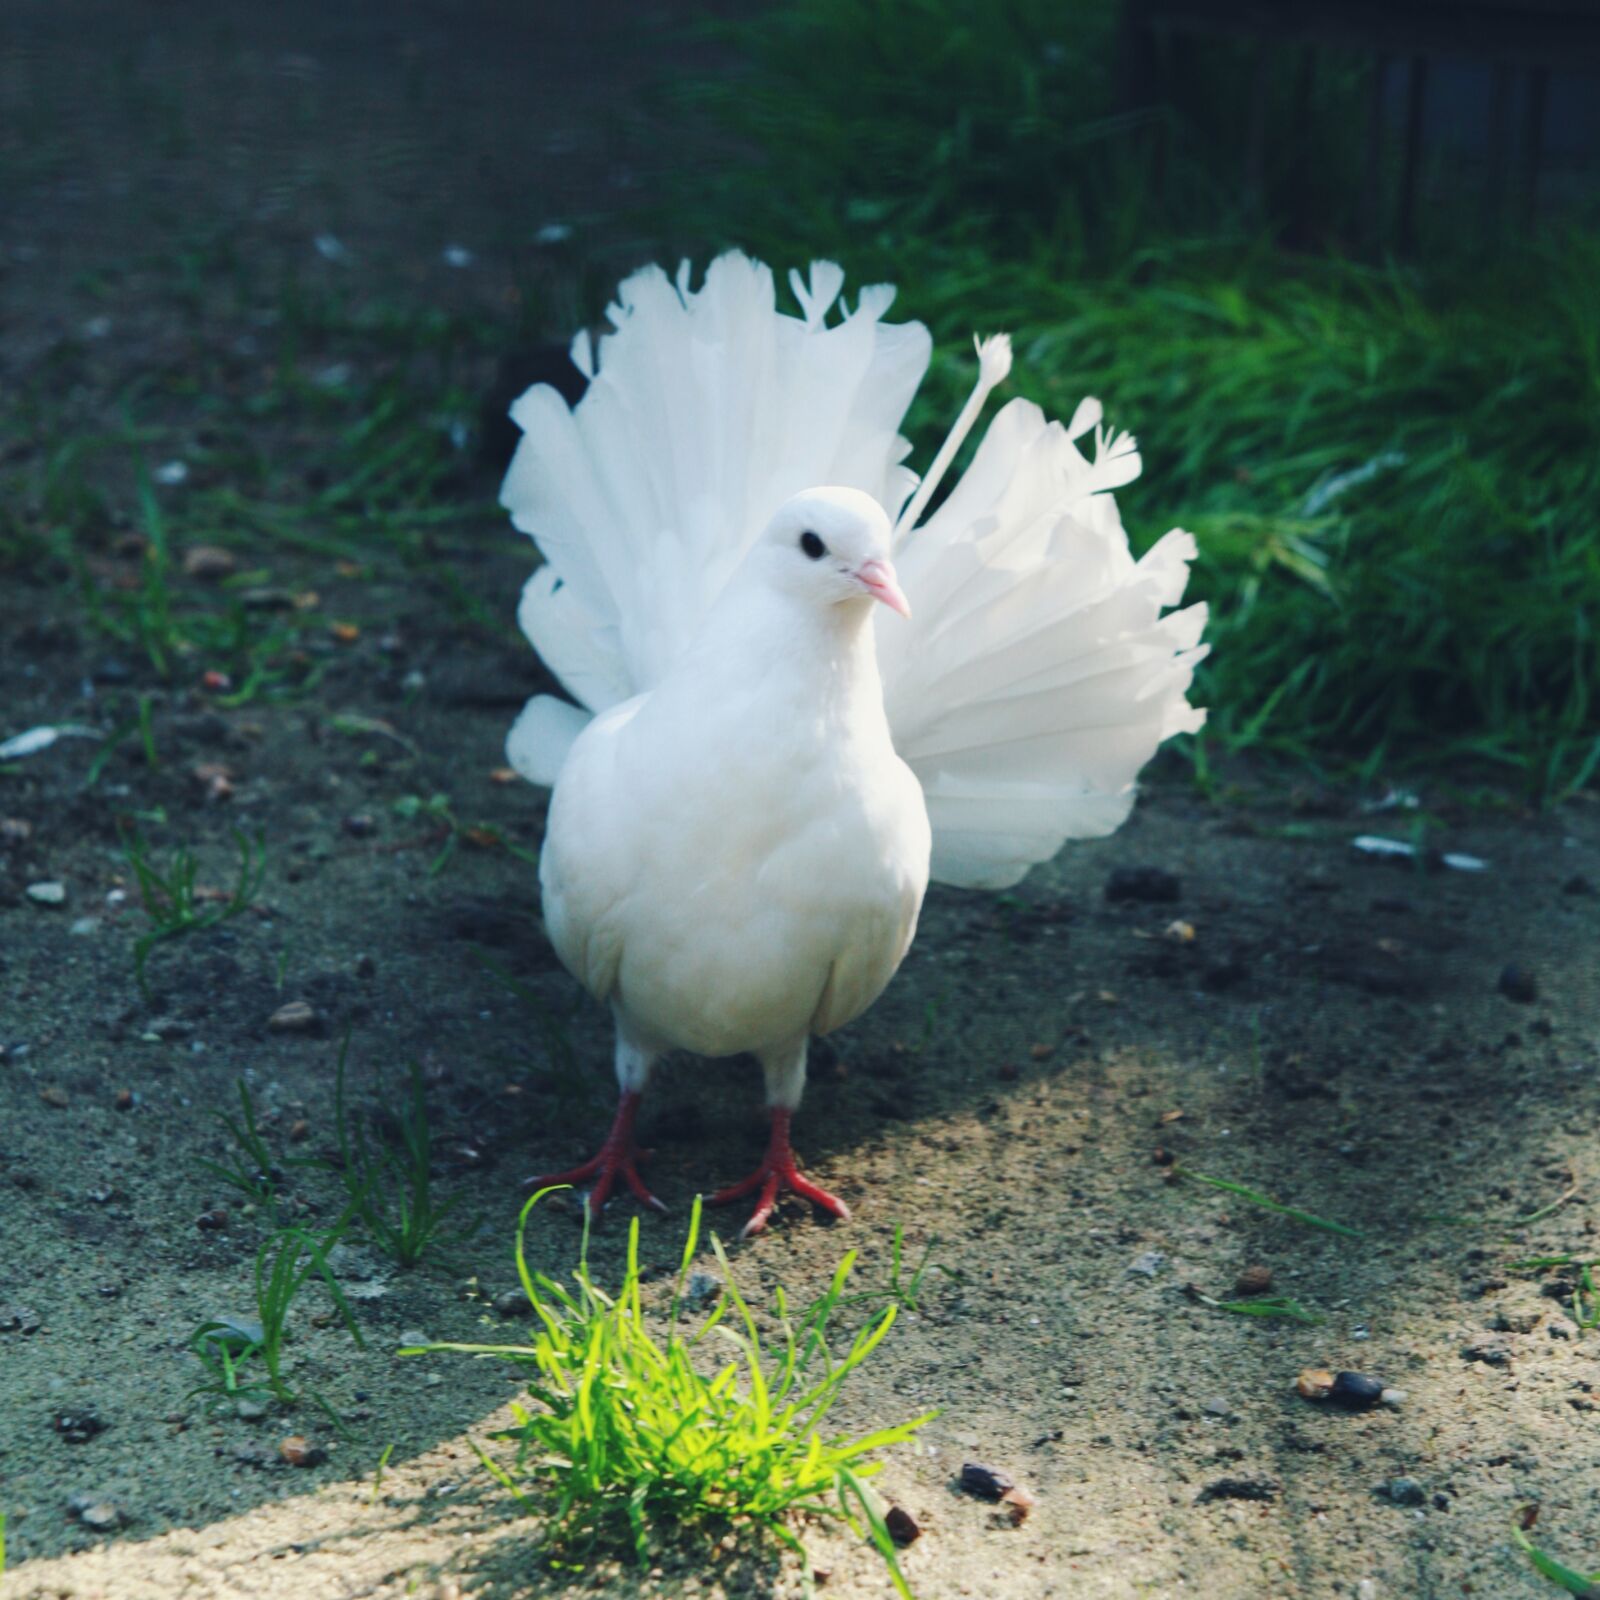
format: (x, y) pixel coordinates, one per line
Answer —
(739, 841)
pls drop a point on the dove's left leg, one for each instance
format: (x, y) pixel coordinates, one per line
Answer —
(786, 1080)
(619, 1155)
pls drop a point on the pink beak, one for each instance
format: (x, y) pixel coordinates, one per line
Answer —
(878, 579)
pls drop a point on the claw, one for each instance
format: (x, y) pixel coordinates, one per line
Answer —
(617, 1158)
(778, 1171)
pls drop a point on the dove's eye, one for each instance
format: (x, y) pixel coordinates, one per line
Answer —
(812, 545)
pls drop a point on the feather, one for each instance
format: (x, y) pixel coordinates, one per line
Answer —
(1043, 665)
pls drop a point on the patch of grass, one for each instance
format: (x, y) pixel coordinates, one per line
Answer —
(239, 1364)
(906, 1293)
(1380, 463)
(1267, 1203)
(449, 830)
(628, 1438)
(391, 1192)
(1564, 1577)
(250, 1168)
(170, 897)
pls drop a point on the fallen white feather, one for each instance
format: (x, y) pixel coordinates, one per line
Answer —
(41, 738)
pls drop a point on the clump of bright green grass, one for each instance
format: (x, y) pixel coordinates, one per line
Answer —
(169, 898)
(631, 1434)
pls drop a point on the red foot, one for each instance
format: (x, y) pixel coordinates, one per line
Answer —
(778, 1171)
(618, 1158)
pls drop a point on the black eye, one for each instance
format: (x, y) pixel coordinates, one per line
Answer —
(812, 545)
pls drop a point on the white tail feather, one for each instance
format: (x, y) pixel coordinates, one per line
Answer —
(1039, 673)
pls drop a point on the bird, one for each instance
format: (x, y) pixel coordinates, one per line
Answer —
(797, 693)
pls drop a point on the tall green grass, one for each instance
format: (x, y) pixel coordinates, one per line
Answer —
(1391, 471)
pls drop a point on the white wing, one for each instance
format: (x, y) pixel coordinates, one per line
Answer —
(706, 410)
(1037, 675)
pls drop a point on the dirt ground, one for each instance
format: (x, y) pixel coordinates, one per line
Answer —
(1299, 1018)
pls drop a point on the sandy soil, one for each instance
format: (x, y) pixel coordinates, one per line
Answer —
(1333, 1033)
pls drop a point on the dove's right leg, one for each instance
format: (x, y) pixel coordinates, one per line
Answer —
(785, 1072)
(619, 1155)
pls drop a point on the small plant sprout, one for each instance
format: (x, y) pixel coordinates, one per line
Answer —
(176, 906)
(1256, 1198)
(628, 1433)
(1563, 1577)
(242, 1360)
(1281, 1307)
(391, 1193)
(449, 831)
(250, 1167)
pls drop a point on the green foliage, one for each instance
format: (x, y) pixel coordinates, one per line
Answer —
(1256, 1198)
(238, 1364)
(1277, 1307)
(169, 897)
(436, 808)
(249, 1167)
(1386, 470)
(391, 1192)
(1547, 1566)
(627, 1436)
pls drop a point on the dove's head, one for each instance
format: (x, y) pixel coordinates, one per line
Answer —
(831, 546)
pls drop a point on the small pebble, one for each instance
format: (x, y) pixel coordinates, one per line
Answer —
(124, 1100)
(987, 1483)
(208, 562)
(1148, 1264)
(14, 831)
(78, 1427)
(47, 894)
(902, 1525)
(1315, 1383)
(513, 1303)
(55, 1095)
(103, 1516)
(360, 826)
(1253, 1280)
(299, 1451)
(1516, 983)
(249, 1410)
(297, 1016)
(1018, 1503)
(1216, 1406)
(1355, 1390)
(413, 1336)
(212, 1221)
(1404, 1492)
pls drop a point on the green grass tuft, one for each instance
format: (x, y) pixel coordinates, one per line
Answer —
(391, 1192)
(169, 896)
(1256, 1198)
(631, 1435)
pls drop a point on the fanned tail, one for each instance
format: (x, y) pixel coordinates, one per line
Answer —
(705, 411)
(1038, 674)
